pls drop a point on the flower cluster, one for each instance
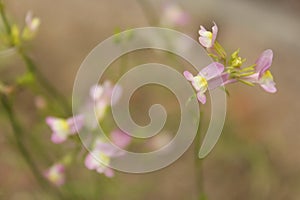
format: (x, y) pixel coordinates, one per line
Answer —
(224, 71)
(18, 35)
(56, 174)
(102, 151)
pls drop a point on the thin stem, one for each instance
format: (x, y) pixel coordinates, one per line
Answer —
(199, 171)
(17, 131)
(4, 19)
(149, 12)
(44, 82)
(31, 67)
(199, 163)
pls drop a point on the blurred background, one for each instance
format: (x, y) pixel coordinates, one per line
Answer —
(258, 154)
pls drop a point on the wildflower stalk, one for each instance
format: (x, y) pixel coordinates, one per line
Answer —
(199, 164)
(18, 134)
(149, 12)
(31, 66)
(4, 19)
(55, 94)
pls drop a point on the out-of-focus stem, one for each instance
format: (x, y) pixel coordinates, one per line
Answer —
(198, 167)
(44, 82)
(31, 67)
(4, 19)
(17, 131)
(199, 163)
(149, 12)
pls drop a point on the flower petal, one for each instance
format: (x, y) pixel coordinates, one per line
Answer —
(189, 76)
(201, 97)
(117, 91)
(109, 172)
(270, 87)
(212, 70)
(96, 92)
(120, 138)
(58, 125)
(58, 138)
(205, 41)
(108, 149)
(214, 33)
(90, 162)
(202, 30)
(75, 123)
(267, 82)
(56, 174)
(264, 62)
(221, 80)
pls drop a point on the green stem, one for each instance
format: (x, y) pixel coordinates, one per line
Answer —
(45, 83)
(4, 19)
(149, 12)
(199, 171)
(199, 163)
(17, 131)
(31, 67)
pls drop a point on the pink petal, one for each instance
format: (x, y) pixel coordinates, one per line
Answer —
(188, 75)
(90, 162)
(120, 138)
(56, 174)
(75, 123)
(214, 33)
(109, 172)
(96, 92)
(201, 97)
(212, 70)
(109, 150)
(264, 62)
(60, 168)
(220, 81)
(58, 138)
(269, 87)
(206, 42)
(117, 91)
(50, 121)
(100, 169)
(202, 30)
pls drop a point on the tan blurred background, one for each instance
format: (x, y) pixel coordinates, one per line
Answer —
(258, 155)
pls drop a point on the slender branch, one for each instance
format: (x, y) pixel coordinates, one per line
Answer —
(149, 12)
(44, 82)
(31, 67)
(17, 131)
(199, 163)
(4, 18)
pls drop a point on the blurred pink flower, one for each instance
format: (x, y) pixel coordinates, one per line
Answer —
(120, 139)
(208, 38)
(99, 158)
(56, 174)
(32, 23)
(174, 15)
(263, 76)
(63, 128)
(207, 77)
(102, 97)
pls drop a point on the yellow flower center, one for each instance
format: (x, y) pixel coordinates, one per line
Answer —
(61, 126)
(104, 159)
(267, 75)
(208, 34)
(237, 62)
(200, 83)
